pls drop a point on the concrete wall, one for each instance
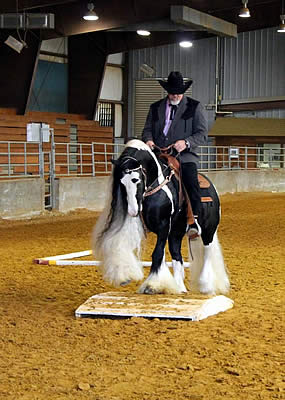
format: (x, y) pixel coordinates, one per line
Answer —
(25, 197)
(21, 198)
(91, 192)
(72, 193)
(248, 181)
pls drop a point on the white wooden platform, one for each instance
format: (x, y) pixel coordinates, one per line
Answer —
(123, 305)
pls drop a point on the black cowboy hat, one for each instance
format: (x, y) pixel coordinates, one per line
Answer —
(175, 84)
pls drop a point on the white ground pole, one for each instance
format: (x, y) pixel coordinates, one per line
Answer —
(67, 259)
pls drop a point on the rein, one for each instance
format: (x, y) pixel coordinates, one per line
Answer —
(164, 154)
(149, 192)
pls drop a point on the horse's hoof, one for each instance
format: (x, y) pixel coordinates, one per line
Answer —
(149, 290)
(125, 283)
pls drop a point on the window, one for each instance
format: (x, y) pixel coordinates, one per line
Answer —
(105, 114)
(269, 155)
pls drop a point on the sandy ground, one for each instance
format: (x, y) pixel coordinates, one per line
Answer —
(48, 354)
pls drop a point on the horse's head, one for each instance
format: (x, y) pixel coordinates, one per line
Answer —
(133, 179)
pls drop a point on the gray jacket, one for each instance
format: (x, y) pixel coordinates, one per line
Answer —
(189, 123)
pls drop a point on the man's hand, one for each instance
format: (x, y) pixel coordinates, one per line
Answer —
(180, 145)
(150, 144)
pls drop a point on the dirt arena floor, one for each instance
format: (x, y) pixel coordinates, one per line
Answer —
(48, 354)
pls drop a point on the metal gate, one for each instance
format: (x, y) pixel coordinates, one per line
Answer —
(48, 165)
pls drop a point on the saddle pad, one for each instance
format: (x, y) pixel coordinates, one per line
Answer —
(204, 184)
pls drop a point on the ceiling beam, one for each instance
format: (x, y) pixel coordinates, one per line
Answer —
(199, 20)
(25, 5)
(87, 61)
(155, 26)
(117, 42)
(254, 106)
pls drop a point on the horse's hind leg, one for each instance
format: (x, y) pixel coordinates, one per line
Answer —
(174, 242)
(160, 279)
(208, 272)
(214, 278)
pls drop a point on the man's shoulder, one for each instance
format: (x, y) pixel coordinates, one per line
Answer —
(191, 102)
(191, 107)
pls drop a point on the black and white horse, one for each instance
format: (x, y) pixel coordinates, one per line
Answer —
(135, 205)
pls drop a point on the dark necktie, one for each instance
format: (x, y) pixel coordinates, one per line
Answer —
(173, 111)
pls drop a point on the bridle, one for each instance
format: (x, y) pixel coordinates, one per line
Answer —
(139, 168)
(149, 190)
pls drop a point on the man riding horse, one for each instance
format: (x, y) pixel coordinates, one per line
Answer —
(181, 121)
(143, 197)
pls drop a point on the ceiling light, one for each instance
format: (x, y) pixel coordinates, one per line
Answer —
(244, 11)
(147, 69)
(281, 28)
(185, 44)
(143, 32)
(90, 15)
(15, 44)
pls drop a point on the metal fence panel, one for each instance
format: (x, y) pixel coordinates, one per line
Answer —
(56, 160)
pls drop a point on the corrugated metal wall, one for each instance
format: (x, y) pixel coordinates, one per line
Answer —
(254, 65)
(190, 62)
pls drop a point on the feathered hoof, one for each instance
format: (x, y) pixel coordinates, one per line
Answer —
(125, 283)
(182, 287)
(150, 290)
(206, 288)
(154, 289)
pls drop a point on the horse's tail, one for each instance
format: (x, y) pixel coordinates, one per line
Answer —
(116, 237)
(208, 273)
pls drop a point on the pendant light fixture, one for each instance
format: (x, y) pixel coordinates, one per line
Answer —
(244, 11)
(281, 28)
(90, 15)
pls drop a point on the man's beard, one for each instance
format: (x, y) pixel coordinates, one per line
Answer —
(174, 103)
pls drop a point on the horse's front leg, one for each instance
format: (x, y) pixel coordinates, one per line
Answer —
(160, 279)
(174, 242)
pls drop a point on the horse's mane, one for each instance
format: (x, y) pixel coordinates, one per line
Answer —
(138, 144)
(135, 153)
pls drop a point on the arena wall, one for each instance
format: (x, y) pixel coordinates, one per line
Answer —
(22, 197)
(72, 193)
(248, 181)
(26, 197)
(91, 192)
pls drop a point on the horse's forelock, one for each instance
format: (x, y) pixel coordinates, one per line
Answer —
(129, 163)
(132, 157)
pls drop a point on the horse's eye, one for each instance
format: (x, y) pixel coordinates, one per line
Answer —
(135, 180)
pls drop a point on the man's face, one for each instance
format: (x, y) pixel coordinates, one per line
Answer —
(175, 98)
